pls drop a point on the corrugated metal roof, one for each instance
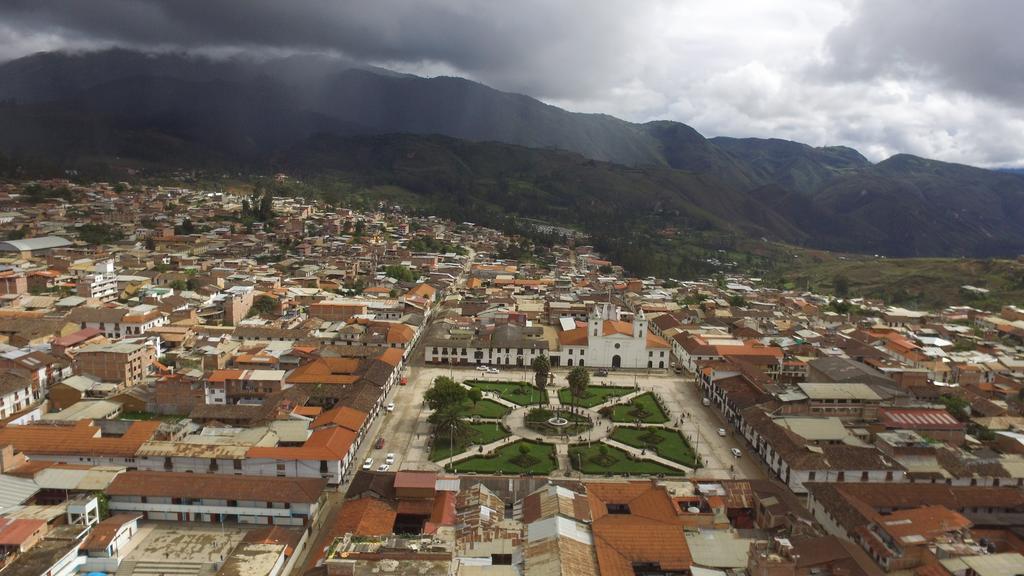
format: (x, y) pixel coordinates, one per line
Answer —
(29, 244)
(15, 491)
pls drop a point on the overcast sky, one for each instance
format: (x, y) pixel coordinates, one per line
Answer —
(937, 78)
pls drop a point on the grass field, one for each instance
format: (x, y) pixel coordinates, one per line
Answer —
(665, 442)
(650, 411)
(483, 433)
(539, 459)
(595, 395)
(521, 393)
(150, 416)
(590, 460)
(486, 409)
(929, 283)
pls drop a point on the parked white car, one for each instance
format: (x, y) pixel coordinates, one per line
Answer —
(383, 468)
(368, 464)
(390, 458)
(736, 452)
(493, 371)
(721, 432)
(390, 407)
(482, 368)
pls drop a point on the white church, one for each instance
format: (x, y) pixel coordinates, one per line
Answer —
(607, 341)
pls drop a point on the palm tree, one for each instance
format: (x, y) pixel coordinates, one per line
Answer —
(579, 380)
(541, 368)
(449, 421)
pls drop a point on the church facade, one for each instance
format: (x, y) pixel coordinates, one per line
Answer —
(607, 341)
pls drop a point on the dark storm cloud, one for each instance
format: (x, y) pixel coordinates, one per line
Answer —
(976, 47)
(546, 48)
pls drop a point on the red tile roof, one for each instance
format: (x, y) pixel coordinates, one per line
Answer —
(415, 480)
(323, 444)
(622, 539)
(83, 438)
(342, 416)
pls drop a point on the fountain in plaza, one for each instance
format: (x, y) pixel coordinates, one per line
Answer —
(558, 421)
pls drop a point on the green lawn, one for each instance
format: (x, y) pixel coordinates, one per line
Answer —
(650, 411)
(595, 395)
(521, 393)
(665, 442)
(486, 409)
(537, 420)
(614, 461)
(150, 416)
(539, 459)
(483, 433)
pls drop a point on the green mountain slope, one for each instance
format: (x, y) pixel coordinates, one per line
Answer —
(642, 182)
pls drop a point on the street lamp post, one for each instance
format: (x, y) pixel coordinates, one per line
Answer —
(451, 446)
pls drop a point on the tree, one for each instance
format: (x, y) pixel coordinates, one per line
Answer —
(524, 449)
(841, 286)
(400, 273)
(445, 393)
(450, 423)
(737, 301)
(179, 285)
(186, 227)
(541, 369)
(263, 305)
(840, 306)
(18, 233)
(474, 395)
(99, 233)
(579, 380)
(957, 406)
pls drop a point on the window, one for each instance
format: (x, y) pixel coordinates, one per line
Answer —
(618, 508)
(617, 345)
(501, 559)
(841, 476)
(864, 476)
(810, 476)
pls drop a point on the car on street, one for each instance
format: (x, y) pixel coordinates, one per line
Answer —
(706, 401)
(383, 468)
(368, 464)
(379, 443)
(403, 381)
(493, 371)
(721, 432)
(601, 372)
(736, 452)
(390, 407)
(390, 458)
(482, 368)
